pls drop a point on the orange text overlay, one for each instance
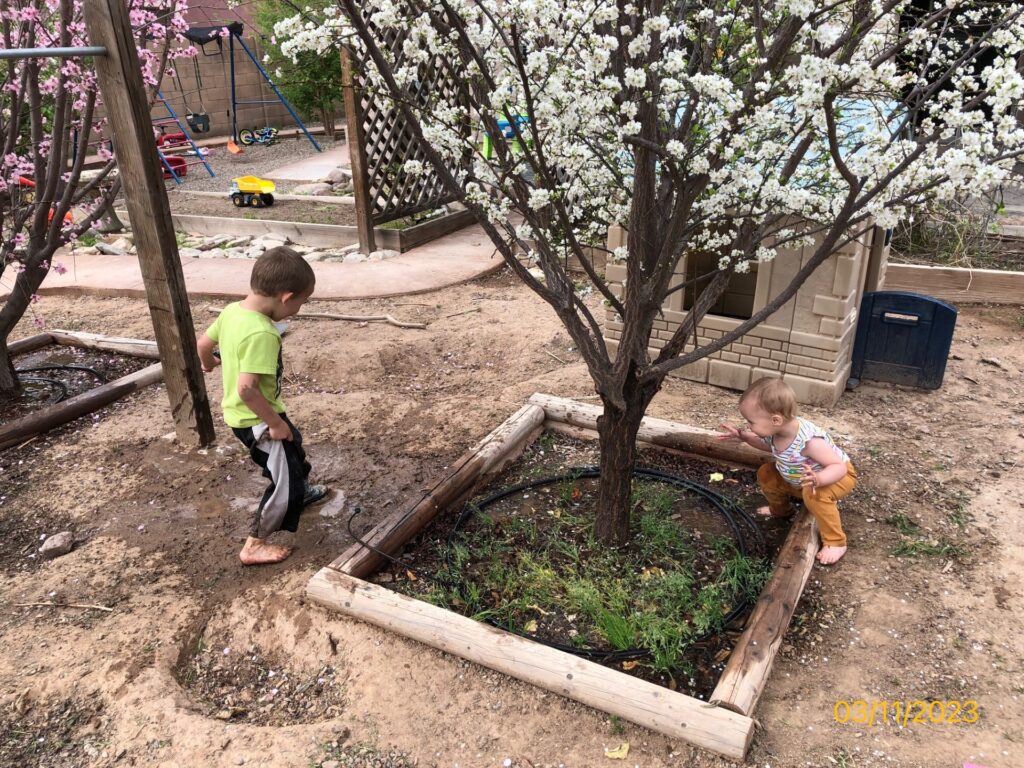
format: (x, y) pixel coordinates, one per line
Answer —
(904, 713)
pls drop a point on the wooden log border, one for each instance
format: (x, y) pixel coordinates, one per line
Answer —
(725, 725)
(956, 284)
(27, 427)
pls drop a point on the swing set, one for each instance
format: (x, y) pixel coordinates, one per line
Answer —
(199, 121)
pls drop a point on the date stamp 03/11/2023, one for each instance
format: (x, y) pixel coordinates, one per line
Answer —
(905, 713)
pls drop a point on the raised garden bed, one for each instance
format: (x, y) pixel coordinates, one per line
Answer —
(725, 726)
(33, 418)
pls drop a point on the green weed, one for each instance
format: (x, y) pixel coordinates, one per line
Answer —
(87, 239)
(936, 548)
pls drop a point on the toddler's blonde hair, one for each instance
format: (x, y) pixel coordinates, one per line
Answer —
(774, 396)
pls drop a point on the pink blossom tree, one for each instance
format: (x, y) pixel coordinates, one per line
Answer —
(49, 124)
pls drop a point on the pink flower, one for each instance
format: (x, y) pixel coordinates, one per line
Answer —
(59, 268)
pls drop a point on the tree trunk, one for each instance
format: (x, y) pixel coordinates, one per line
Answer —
(9, 384)
(617, 429)
(327, 114)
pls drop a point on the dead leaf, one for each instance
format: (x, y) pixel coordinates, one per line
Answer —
(530, 626)
(650, 573)
(411, 575)
(539, 610)
(619, 753)
(722, 655)
(628, 665)
(716, 477)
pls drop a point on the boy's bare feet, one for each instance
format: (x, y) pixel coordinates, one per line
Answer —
(828, 555)
(767, 512)
(258, 552)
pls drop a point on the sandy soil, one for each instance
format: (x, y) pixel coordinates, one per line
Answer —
(310, 211)
(193, 634)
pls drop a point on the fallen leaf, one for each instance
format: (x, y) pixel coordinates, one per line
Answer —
(576, 493)
(539, 610)
(530, 626)
(651, 572)
(628, 665)
(411, 575)
(716, 477)
(619, 753)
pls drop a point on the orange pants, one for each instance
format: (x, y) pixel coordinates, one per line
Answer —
(820, 502)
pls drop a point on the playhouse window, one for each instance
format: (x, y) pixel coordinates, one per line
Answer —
(738, 299)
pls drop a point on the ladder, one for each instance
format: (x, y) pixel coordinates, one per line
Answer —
(172, 118)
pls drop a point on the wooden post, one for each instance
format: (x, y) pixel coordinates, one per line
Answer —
(746, 673)
(357, 154)
(631, 698)
(125, 102)
(489, 455)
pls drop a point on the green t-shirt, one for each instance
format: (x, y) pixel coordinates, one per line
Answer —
(249, 343)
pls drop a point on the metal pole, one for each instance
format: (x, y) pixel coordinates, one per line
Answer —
(51, 53)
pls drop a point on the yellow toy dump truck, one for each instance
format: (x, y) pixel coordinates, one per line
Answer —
(252, 190)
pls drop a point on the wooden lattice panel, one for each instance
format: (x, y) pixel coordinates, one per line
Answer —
(389, 143)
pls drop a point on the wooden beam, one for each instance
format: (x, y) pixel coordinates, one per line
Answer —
(29, 344)
(492, 453)
(126, 104)
(21, 429)
(746, 673)
(994, 286)
(633, 699)
(134, 347)
(667, 434)
(357, 153)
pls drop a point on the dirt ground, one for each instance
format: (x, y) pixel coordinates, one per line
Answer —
(282, 210)
(180, 672)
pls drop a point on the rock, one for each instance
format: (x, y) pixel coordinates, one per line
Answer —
(123, 243)
(215, 242)
(88, 250)
(270, 242)
(315, 256)
(56, 545)
(109, 250)
(254, 251)
(349, 249)
(330, 764)
(189, 253)
(312, 189)
(233, 253)
(338, 176)
(383, 254)
(238, 242)
(355, 258)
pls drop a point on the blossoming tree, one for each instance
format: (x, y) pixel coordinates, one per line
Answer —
(48, 125)
(726, 127)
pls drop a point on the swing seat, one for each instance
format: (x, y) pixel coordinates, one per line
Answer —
(199, 122)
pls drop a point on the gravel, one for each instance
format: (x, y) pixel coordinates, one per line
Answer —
(257, 160)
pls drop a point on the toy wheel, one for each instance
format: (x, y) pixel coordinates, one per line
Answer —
(236, 198)
(267, 199)
(247, 137)
(256, 201)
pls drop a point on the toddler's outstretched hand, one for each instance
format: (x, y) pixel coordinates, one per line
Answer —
(728, 433)
(808, 479)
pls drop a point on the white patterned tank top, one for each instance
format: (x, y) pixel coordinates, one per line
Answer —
(790, 462)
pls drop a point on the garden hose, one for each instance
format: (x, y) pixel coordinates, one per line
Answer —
(748, 537)
(60, 386)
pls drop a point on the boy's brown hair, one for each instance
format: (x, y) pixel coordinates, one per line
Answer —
(281, 270)
(774, 396)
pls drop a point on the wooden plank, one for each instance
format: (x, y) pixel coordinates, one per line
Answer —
(957, 285)
(127, 106)
(134, 347)
(582, 433)
(660, 432)
(433, 229)
(746, 673)
(391, 534)
(651, 706)
(16, 431)
(29, 344)
(357, 154)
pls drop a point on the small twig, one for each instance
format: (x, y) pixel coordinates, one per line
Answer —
(474, 309)
(352, 318)
(556, 357)
(27, 441)
(52, 604)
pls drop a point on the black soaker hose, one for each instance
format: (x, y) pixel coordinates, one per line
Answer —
(749, 540)
(60, 386)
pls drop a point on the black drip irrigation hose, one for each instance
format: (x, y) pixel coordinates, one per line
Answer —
(60, 386)
(749, 541)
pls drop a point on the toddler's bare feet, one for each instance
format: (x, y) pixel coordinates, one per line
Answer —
(828, 555)
(258, 552)
(765, 511)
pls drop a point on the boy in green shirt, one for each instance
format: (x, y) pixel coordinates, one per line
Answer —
(250, 356)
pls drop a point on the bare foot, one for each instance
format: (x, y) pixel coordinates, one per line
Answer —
(764, 511)
(258, 552)
(828, 555)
